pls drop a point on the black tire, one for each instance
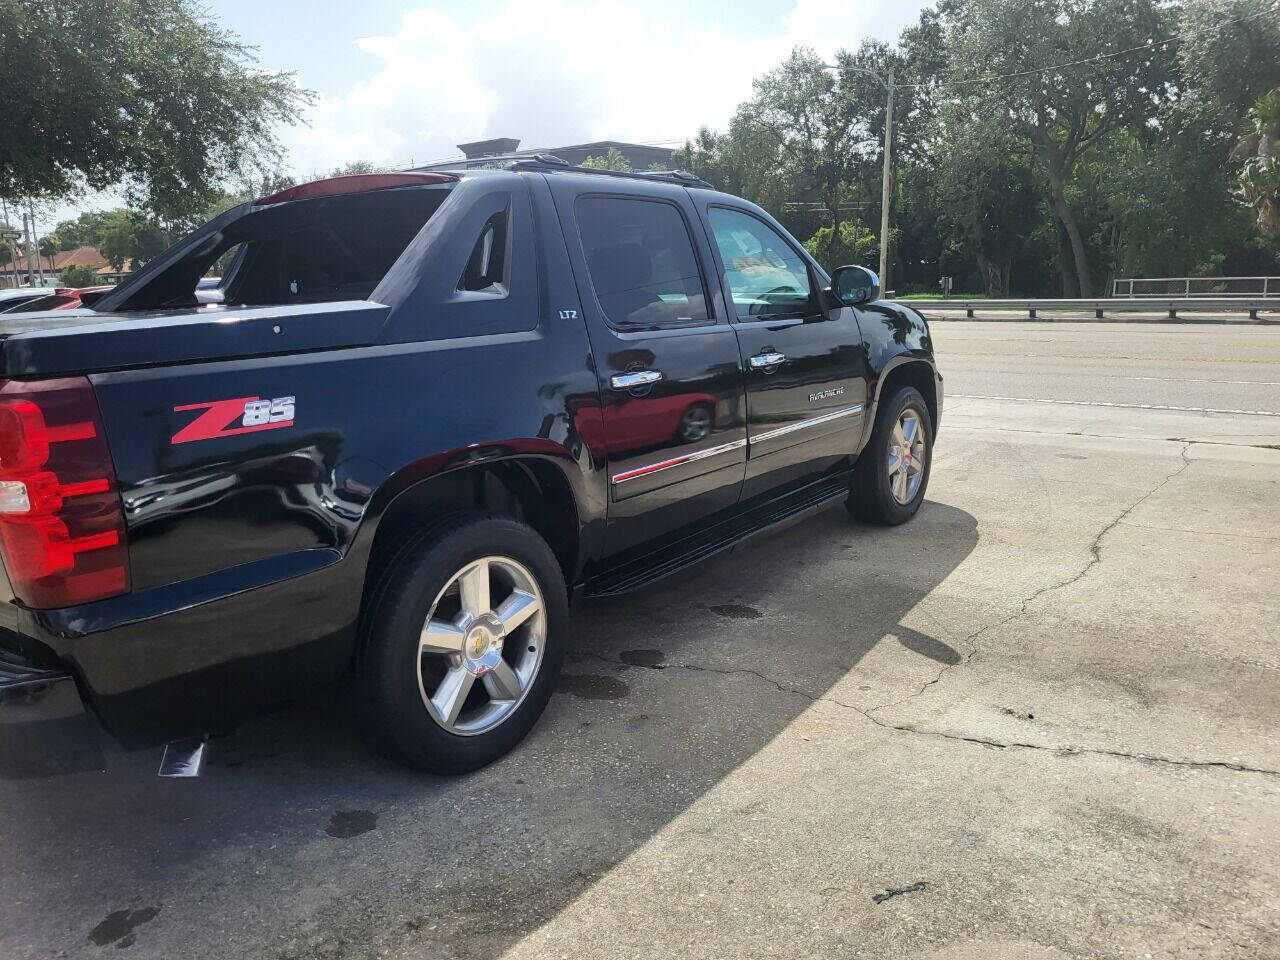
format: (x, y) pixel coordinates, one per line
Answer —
(393, 713)
(870, 497)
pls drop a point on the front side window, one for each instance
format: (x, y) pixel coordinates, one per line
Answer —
(767, 278)
(641, 262)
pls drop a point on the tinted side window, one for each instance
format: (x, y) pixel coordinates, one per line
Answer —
(486, 268)
(641, 261)
(767, 278)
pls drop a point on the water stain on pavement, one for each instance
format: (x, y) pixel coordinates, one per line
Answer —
(736, 611)
(118, 927)
(644, 658)
(592, 686)
(351, 823)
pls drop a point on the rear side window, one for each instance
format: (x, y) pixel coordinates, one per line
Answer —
(641, 261)
(303, 251)
(324, 250)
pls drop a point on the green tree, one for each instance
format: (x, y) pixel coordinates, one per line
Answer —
(149, 94)
(49, 247)
(129, 236)
(1228, 52)
(815, 126)
(77, 275)
(854, 244)
(1258, 183)
(355, 166)
(84, 231)
(612, 160)
(989, 192)
(1122, 75)
(739, 161)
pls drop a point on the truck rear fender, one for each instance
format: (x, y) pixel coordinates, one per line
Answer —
(540, 486)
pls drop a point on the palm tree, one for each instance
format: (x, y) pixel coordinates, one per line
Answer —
(49, 247)
(1258, 183)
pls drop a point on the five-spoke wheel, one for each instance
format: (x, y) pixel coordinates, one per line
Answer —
(462, 642)
(892, 472)
(487, 624)
(907, 454)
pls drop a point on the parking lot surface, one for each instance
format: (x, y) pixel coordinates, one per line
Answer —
(1039, 721)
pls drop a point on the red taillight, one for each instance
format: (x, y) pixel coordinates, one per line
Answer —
(62, 530)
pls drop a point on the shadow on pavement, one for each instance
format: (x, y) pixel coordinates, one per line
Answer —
(297, 842)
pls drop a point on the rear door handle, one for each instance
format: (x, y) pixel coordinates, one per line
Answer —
(637, 378)
(762, 361)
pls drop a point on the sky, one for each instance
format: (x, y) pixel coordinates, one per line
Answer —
(399, 82)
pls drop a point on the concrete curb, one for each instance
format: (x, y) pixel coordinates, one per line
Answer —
(934, 317)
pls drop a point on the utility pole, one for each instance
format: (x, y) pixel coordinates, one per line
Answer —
(11, 237)
(30, 247)
(35, 241)
(886, 186)
(887, 180)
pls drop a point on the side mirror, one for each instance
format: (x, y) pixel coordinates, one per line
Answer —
(855, 285)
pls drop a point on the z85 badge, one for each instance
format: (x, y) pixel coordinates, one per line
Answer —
(226, 418)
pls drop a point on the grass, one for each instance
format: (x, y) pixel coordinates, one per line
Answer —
(938, 296)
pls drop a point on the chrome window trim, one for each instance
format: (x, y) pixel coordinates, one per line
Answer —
(696, 455)
(806, 424)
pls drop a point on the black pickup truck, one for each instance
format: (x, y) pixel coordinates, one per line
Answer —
(430, 410)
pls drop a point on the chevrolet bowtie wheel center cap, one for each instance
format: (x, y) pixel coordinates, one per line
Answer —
(482, 648)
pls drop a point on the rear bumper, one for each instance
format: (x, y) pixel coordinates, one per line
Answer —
(44, 727)
(185, 659)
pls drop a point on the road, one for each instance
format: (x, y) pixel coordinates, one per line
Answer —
(1183, 367)
(1038, 722)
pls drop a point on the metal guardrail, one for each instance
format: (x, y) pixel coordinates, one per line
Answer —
(1196, 287)
(1106, 305)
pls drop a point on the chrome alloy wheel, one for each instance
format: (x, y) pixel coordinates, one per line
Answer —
(489, 624)
(906, 457)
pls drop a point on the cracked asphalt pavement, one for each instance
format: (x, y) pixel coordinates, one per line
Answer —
(1039, 721)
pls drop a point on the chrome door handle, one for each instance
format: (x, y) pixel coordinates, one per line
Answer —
(637, 378)
(763, 360)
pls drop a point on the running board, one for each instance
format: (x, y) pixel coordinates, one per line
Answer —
(765, 518)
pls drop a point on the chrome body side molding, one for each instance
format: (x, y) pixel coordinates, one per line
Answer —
(850, 411)
(692, 457)
(624, 475)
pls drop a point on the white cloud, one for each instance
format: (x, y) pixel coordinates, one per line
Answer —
(555, 72)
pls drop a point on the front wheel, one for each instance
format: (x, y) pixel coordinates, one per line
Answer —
(892, 473)
(463, 642)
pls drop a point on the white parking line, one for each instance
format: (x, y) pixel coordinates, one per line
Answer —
(1259, 383)
(1131, 406)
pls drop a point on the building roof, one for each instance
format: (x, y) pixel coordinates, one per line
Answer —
(641, 156)
(80, 257)
(84, 256)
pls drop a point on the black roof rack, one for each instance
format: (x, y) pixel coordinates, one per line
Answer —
(549, 162)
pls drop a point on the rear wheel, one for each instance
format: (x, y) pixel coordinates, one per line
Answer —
(891, 475)
(463, 642)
